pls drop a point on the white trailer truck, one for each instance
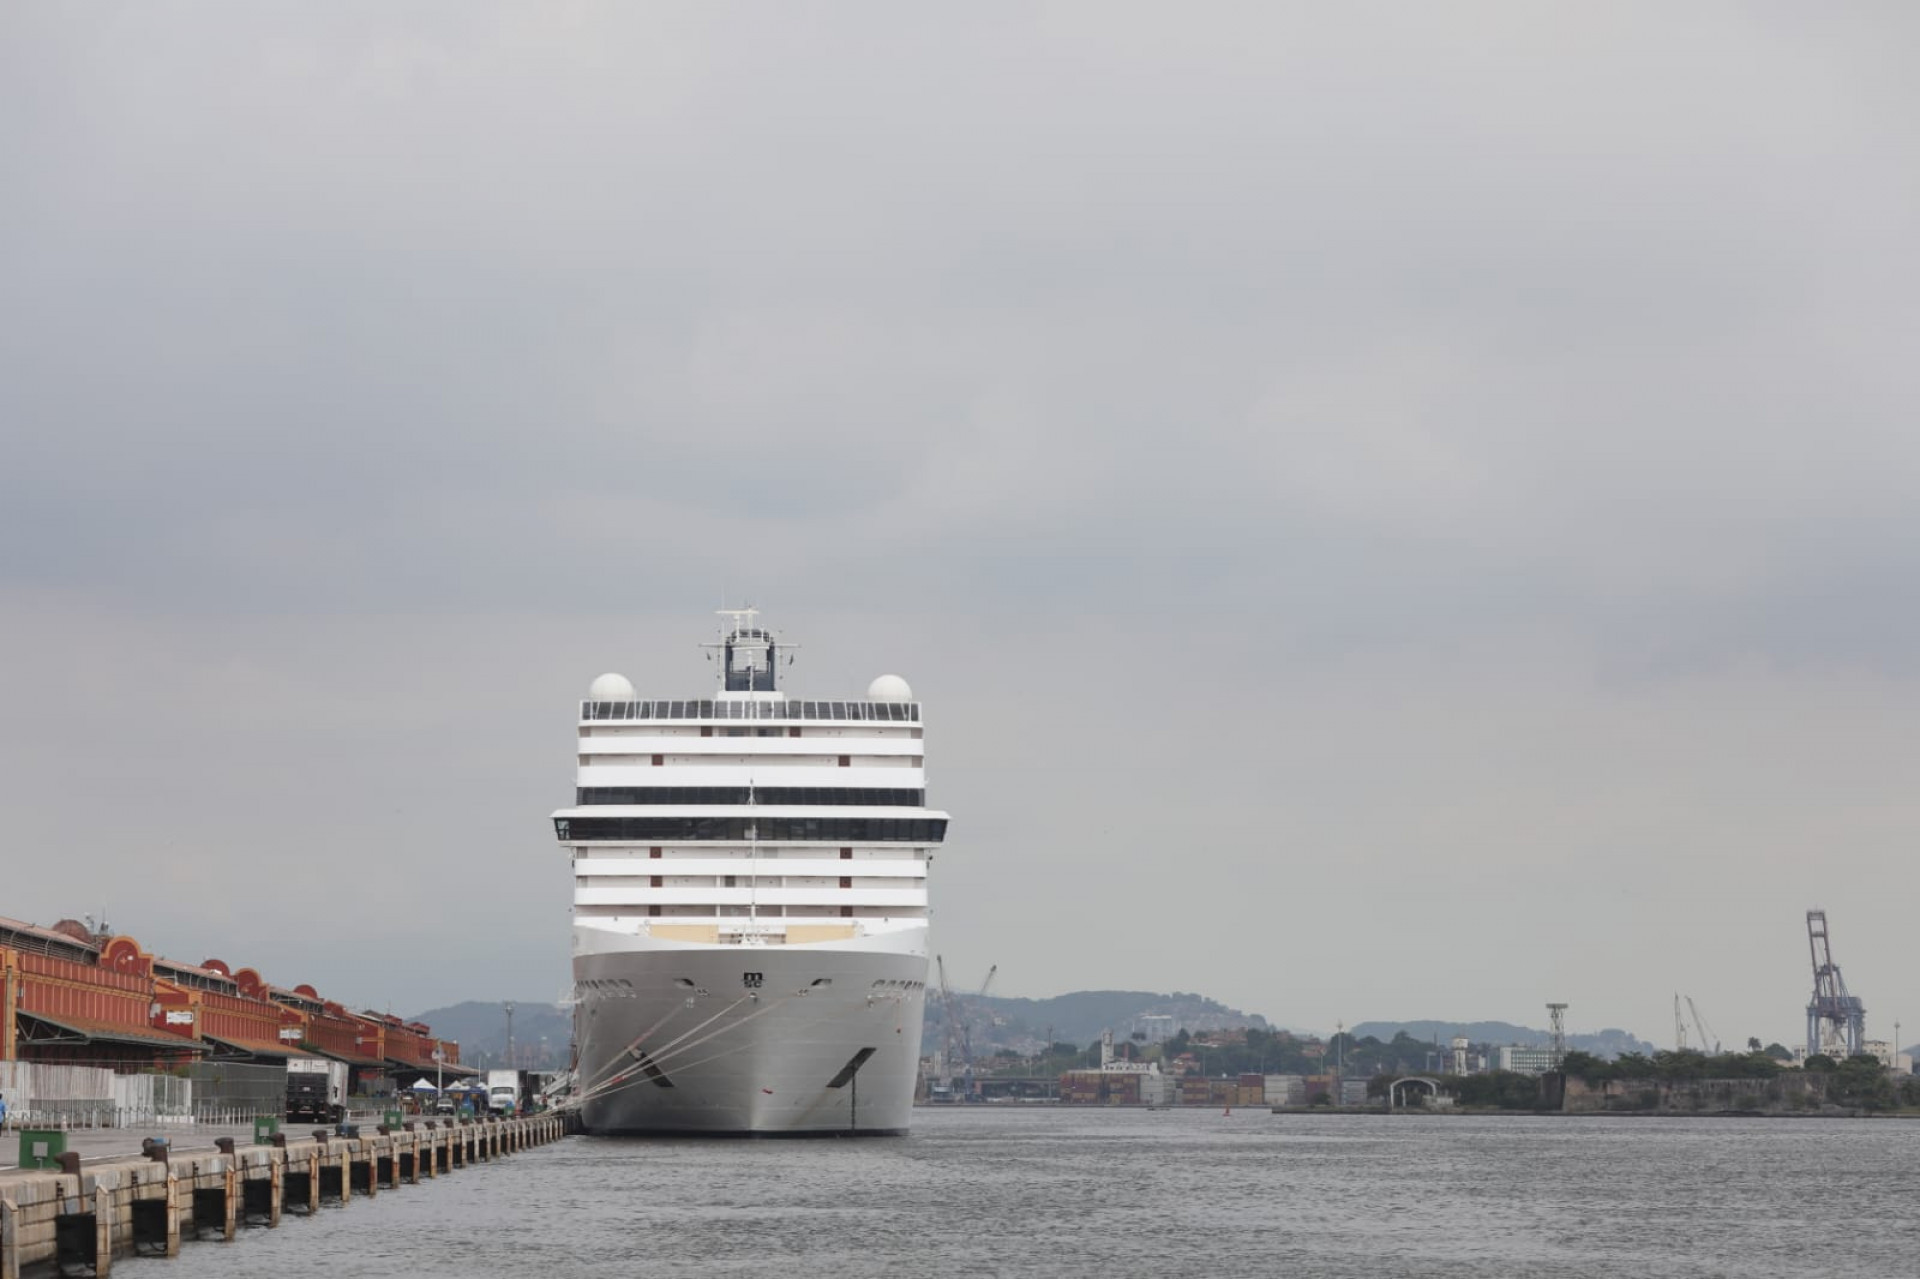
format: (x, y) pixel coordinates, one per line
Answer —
(503, 1091)
(316, 1090)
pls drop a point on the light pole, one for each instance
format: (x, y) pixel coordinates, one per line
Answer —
(508, 1005)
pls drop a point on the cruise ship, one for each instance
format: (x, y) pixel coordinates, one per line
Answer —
(750, 902)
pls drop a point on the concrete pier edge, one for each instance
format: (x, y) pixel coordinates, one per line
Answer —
(50, 1220)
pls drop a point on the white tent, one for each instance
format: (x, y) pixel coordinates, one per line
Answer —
(423, 1084)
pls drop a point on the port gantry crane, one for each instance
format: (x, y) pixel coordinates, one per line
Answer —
(1836, 1020)
(955, 1032)
(1706, 1032)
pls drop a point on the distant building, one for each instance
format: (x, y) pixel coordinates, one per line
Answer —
(1157, 1027)
(1286, 1090)
(1525, 1060)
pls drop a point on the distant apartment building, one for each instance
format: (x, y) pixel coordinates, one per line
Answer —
(1523, 1060)
(1157, 1027)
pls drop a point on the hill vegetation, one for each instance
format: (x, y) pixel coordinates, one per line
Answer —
(1063, 1031)
(542, 1033)
(1078, 1017)
(1601, 1043)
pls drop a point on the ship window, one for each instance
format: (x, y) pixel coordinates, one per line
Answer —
(677, 710)
(837, 830)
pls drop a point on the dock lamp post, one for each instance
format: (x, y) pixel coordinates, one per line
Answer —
(439, 1069)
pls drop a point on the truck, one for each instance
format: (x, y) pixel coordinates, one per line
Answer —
(503, 1091)
(316, 1090)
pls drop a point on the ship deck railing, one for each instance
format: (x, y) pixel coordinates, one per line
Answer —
(848, 712)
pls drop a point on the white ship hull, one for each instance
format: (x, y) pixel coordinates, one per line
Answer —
(774, 1040)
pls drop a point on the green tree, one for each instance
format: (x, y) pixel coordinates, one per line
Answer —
(1584, 1065)
(1504, 1089)
(1862, 1081)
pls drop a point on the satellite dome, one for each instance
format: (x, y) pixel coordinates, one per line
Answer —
(890, 688)
(610, 688)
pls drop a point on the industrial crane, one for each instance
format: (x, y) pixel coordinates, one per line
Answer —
(955, 1026)
(1836, 1020)
(1706, 1033)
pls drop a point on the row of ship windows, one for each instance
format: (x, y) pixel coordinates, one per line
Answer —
(890, 883)
(745, 913)
(778, 830)
(761, 853)
(839, 796)
(903, 712)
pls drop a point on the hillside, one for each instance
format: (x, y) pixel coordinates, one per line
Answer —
(1608, 1043)
(1079, 1017)
(542, 1033)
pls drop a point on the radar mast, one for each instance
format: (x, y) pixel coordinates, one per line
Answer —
(750, 655)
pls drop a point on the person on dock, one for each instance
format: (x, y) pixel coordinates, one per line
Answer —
(3, 1110)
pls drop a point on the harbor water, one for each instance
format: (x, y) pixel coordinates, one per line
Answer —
(993, 1191)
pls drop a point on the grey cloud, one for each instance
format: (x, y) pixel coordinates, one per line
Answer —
(1476, 402)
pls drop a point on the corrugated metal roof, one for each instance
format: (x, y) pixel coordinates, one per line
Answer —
(34, 933)
(106, 1032)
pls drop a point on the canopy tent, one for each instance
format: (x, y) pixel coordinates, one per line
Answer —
(423, 1085)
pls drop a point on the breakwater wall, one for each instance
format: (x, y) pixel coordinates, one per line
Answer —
(1789, 1093)
(84, 1215)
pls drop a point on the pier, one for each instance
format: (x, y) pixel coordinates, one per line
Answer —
(85, 1212)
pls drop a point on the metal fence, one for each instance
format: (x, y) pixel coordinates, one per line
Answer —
(53, 1095)
(57, 1095)
(232, 1092)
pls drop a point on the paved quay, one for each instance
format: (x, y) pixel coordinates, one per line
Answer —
(109, 1200)
(93, 1144)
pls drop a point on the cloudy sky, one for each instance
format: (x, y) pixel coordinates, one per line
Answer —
(1393, 510)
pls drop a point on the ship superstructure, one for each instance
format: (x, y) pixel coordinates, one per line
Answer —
(750, 902)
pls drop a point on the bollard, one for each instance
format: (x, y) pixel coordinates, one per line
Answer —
(223, 1144)
(69, 1161)
(102, 1231)
(9, 1240)
(156, 1149)
(279, 1141)
(173, 1213)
